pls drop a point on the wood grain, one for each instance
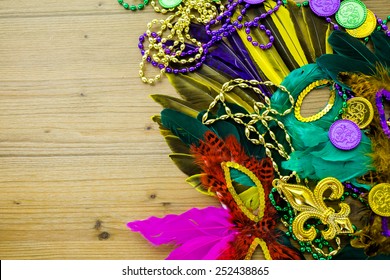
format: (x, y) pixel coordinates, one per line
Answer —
(79, 154)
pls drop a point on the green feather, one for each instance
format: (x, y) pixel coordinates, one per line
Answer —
(192, 90)
(186, 163)
(333, 65)
(317, 30)
(382, 46)
(296, 82)
(196, 182)
(176, 145)
(175, 104)
(302, 30)
(241, 178)
(188, 129)
(350, 47)
(193, 82)
(206, 84)
(237, 96)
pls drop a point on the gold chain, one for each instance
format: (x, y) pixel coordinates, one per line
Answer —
(262, 113)
(304, 93)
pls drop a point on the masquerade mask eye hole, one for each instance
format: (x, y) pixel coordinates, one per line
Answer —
(311, 101)
(246, 189)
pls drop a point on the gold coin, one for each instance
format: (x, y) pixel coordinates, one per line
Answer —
(360, 111)
(379, 199)
(366, 28)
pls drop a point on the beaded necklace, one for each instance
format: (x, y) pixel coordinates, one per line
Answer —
(166, 55)
(238, 22)
(383, 94)
(133, 8)
(162, 51)
(262, 113)
(171, 54)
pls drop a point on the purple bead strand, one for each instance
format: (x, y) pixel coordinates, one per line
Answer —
(385, 227)
(353, 188)
(226, 29)
(383, 25)
(380, 95)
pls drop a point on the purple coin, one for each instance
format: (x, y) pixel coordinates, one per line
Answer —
(254, 1)
(345, 134)
(324, 8)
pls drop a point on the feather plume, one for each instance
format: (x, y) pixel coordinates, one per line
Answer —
(186, 163)
(334, 65)
(269, 61)
(367, 86)
(296, 82)
(177, 104)
(239, 48)
(209, 81)
(350, 47)
(302, 31)
(176, 145)
(188, 129)
(287, 44)
(199, 234)
(316, 29)
(382, 47)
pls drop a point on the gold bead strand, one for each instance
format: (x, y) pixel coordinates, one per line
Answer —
(178, 33)
(264, 117)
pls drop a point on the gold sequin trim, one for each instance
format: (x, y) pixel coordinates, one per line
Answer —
(304, 93)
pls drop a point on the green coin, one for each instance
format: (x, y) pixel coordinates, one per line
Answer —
(169, 4)
(351, 14)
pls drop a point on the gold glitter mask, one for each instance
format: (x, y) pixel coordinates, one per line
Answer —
(253, 207)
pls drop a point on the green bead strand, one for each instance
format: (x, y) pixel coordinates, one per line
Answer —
(133, 7)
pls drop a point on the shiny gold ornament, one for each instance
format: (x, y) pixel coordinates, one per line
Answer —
(360, 111)
(379, 199)
(311, 205)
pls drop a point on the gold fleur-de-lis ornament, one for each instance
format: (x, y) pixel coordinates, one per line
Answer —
(310, 205)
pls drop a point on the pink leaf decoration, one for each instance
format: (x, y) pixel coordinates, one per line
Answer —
(199, 233)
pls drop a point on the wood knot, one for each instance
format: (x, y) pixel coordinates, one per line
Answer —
(98, 224)
(104, 235)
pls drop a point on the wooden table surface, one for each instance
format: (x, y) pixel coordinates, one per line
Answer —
(79, 153)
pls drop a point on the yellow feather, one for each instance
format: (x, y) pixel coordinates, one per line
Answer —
(329, 49)
(287, 31)
(302, 31)
(269, 61)
(317, 29)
